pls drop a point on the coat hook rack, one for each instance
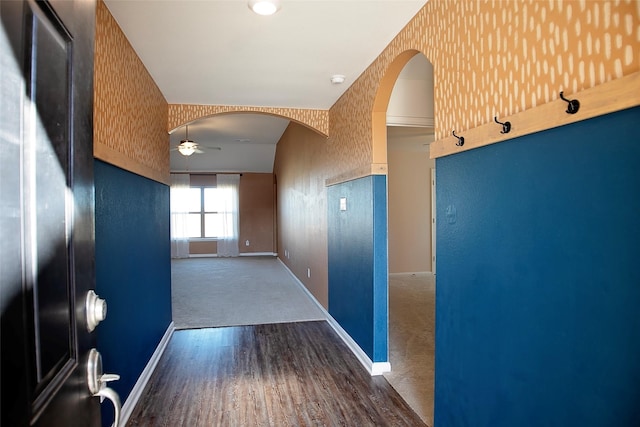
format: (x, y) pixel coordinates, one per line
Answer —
(506, 126)
(460, 142)
(574, 104)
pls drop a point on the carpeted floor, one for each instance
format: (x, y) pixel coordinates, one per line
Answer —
(213, 292)
(412, 340)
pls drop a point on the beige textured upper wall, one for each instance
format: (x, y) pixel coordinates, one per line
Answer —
(130, 112)
(493, 58)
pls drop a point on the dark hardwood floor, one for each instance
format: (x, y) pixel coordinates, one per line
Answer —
(287, 374)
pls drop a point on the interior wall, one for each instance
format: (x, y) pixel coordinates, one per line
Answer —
(256, 213)
(538, 284)
(357, 251)
(409, 190)
(300, 171)
(132, 206)
(133, 273)
(203, 247)
(130, 112)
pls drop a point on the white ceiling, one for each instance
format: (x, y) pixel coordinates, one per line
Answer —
(219, 52)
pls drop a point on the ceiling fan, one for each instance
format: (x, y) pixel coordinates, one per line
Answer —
(187, 146)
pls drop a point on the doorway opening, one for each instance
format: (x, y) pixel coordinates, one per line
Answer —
(409, 131)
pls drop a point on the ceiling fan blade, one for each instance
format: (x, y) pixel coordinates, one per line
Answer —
(198, 151)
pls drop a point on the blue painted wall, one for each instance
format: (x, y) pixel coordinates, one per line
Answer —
(538, 284)
(357, 255)
(133, 272)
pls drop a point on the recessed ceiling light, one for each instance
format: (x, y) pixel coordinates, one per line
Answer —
(264, 7)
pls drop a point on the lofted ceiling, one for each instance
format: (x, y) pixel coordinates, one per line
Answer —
(219, 52)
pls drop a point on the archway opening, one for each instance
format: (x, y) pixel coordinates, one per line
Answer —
(229, 142)
(402, 141)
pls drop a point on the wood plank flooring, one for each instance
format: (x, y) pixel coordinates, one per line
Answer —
(286, 374)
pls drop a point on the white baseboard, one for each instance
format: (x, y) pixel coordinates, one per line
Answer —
(374, 368)
(241, 254)
(259, 254)
(143, 379)
(414, 273)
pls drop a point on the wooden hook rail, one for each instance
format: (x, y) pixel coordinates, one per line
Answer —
(606, 98)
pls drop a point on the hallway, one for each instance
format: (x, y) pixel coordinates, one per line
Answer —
(285, 362)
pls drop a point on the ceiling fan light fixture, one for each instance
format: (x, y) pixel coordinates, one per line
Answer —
(186, 151)
(264, 7)
(187, 147)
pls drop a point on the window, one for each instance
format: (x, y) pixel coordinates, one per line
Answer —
(206, 212)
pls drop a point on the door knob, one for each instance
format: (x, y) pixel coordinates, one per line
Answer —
(97, 382)
(96, 309)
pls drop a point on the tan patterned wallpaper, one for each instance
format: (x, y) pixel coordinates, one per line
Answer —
(181, 114)
(299, 169)
(130, 113)
(493, 58)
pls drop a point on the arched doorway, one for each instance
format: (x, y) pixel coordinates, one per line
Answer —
(231, 143)
(409, 131)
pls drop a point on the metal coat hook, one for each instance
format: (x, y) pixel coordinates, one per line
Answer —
(460, 142)
(506, 126)
(574, 104)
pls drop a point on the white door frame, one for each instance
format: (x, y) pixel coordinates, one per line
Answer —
(433, 221)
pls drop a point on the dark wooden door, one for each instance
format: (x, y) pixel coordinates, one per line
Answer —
(46, 216)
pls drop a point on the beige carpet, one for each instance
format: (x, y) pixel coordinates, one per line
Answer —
(213, 292)
(411, 340)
